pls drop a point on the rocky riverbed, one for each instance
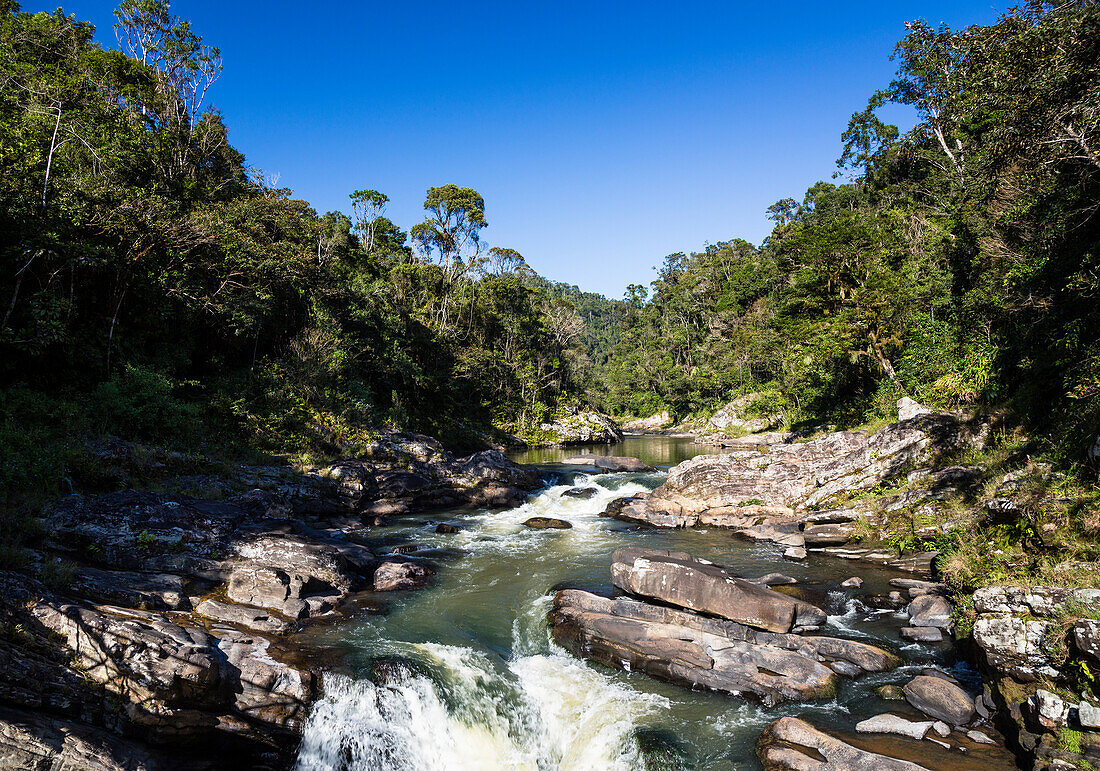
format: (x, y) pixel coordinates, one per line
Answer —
(595, 613)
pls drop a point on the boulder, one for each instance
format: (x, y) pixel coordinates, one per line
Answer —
(893, 724)
(737, 417)
(791, 743)
(680, 579)
(854, 582)
(910, 408)
(930, 610)
(265, 689)
(609, 463)
(295, 575)
(393, 576)
(828, 535)
(581, 493)
(547, 523)
(180, 682)
(922, 633)
(916, 587)
(940, 699)
(446, 528)
(695, 651)
(792, 476)
(256, 619)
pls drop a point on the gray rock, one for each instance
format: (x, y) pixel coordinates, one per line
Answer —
(547, 523)
(36, 742)
(930, 610)
(893, 724)
(1088, 715)
(709, 653)
(795, 553)
(979, 737)
(790, 743)
(610, 463)
(854, 581)
(828, 535)
(941, 728)
(1050, 710)
(940, 699)
(680, 579)
(916, 587)
(581, 493)
(256, 619)
(132, 590)
(922, 633)
(394, 576)
(1013, 646)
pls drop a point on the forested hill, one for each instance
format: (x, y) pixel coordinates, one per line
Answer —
(155, 287)
(957, 263)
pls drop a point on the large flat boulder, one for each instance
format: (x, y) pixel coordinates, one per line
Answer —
(680, 579)
(609, 463)
(715, 654)
(794, 476)
(795, 745)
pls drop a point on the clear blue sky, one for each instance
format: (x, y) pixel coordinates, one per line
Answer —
(603, 135)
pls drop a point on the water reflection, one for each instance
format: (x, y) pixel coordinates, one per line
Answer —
(654, 450)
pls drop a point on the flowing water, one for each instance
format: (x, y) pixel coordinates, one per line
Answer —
(463, 674)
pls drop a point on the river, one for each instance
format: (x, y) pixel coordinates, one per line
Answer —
(463, 674)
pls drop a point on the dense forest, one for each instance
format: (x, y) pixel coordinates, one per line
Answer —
(155, 287)
(956, 263)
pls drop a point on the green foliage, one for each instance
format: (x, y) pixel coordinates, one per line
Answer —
(141, 403)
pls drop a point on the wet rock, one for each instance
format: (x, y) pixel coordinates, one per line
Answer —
(697, 651)
(446, 528)
(581, 493)
(790, 743)
(547, 523)
(854, 581)
(893, 724)
(922, 633)
(940, 699)
(890, 693)
(630, 508)
(680, 579)
(773, 579)
(394, 576)
(253, 618)
(610, 463)
(797, 553)
(930, 610)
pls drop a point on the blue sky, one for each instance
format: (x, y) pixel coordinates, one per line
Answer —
(602, 135)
